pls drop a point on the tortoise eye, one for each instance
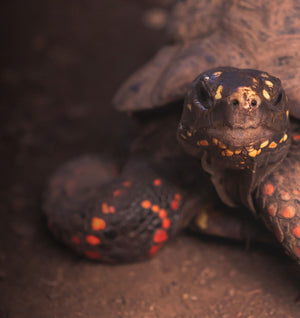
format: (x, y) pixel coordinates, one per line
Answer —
(203, 97)
(279, 98)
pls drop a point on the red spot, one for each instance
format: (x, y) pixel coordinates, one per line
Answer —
(297, 251)
(166, 223)
(105, 208)
(268, 189)
(126, 183)
(155, 208)
(157, 182)
(92, 255)
(296, 231)
(162, 213)
(146, 204)
(116, 193)
(154, 249)
(92, 240)
(174, 205)
(112, 209)
(288, 212)
(98, 224)
(177, 197)
(76, 240)
(296, 137)
(272, 209)
(160, 236)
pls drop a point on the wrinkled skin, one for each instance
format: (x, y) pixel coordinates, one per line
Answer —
(235, 124)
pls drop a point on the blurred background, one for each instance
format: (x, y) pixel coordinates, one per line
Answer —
(61, 62)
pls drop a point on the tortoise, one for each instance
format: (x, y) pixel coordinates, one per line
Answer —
(233, 142)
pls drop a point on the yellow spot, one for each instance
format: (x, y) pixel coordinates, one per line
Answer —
(266, 94)
(252, 153)
(285, 137)
(273, 145)
(254, 80)
(269, 84)
(189, 107)
(216, 74)
(189, 133)
(219, 92)
(183, 136)
(250, 148)
(223, 153)
(258, 151)
(221, 145)
(228, 153)
(264, 75)
(238, 151)
(264, 144)
(201, 220)
(215, 141)
(287, 113)
(202, 143)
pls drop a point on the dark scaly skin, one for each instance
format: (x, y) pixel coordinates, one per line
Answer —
(161, 188)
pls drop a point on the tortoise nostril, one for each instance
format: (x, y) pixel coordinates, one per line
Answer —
(235, 102)
(253, 102)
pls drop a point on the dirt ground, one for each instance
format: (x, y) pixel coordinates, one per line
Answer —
(61, 62)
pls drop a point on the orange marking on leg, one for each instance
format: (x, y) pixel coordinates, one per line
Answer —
(296, 231)
(92, 240)
(177, 197)
(295, 192)
(155, 208)
(116, 193)
(174, 205)
(126, 183)
(166, 223)
(272, 209)
(98, 224)
(112, 209)
(92, 254)
(160, 236)
(76, 240)
(297, 251)
(105, 208)
(154, 249)
(288, 212)
(162, 213)
(268, 189)
(296, 137)
(146, 204)
(157, 182)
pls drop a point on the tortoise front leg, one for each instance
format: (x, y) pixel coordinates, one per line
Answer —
(278, 200)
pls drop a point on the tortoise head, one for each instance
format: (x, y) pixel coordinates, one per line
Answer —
(236, 121)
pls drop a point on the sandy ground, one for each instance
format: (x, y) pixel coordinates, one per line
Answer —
(61, 62)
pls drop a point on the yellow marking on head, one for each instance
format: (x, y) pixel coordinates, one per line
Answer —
(269, 84)
(285, 137)
(201, 219)
(221, 145)
(287, 113)
(254, 80)
(183, 136)
(202, 143)
(264, 144)
(223, 153)
(237, 151)
(215, 141)
(266, 94)
(252, 153)
(273, 144)
(216, 74)
(189, 133)
(228, 153)
(250, 148)
(258, 152)
(189, 107)
(206, 78)
(219, 92)
(264, 75)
